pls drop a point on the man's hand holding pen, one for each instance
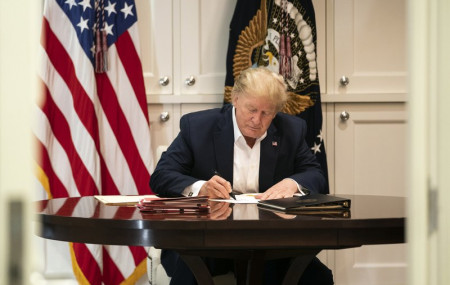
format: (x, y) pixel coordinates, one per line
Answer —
(216, 187)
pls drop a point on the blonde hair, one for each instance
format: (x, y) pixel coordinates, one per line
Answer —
(262, 82)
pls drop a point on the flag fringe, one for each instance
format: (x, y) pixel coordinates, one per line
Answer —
(43, 179)
(140, 270)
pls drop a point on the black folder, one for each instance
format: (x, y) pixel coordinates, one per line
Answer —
(312, 202)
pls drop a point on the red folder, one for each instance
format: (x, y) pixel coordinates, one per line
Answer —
(197, 204)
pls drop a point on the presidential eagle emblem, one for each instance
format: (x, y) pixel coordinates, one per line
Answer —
(281, 36)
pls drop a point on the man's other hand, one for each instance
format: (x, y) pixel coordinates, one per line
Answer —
(284, 189)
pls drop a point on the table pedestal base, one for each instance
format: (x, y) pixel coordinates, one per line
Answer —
(249, 264)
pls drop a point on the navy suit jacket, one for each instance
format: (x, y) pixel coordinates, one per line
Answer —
(205, 144)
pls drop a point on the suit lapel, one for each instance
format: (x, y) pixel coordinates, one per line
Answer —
(269, 154)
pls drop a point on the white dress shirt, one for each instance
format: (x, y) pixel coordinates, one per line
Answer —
(245, 162)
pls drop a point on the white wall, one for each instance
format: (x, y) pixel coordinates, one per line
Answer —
(19, 24)
(429, 143)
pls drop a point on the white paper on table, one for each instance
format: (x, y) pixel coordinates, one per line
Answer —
(122, 199)
(247, 198)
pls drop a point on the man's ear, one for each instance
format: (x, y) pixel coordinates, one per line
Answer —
(234, 98)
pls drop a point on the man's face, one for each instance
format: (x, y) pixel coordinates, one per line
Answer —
(253, 114)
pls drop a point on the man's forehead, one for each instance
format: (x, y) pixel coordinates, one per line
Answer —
(260, 103)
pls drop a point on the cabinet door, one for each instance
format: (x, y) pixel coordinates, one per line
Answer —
(370, 158)
(204, 33)
(371, 265)
(370, 154)
(155, 30)
(370, 46)
(162, 124)
(165, 121)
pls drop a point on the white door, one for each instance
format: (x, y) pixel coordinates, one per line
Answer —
(204, 33)
(155, 20)
(370, 46)
(163, 118)
(370, 154)
(370, 159)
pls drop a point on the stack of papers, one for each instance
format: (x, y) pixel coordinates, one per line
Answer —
(184, 205)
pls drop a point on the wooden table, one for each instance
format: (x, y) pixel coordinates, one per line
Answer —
(248, 238)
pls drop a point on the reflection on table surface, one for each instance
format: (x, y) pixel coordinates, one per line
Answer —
(362, 207)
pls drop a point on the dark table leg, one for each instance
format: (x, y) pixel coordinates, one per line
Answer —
(297, 268)
(199, 269)
(240, 271)
(248, 271)
(255, 268)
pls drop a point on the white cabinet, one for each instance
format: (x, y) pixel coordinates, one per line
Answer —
(184, 45)
(366, 123)
(204, 32)
(369, 48)
(370, 154)
(161, 125)
(155, 20)
(371, 265)
(183, 53)
(370, 159)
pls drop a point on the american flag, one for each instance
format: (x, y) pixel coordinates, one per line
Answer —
(92, 132)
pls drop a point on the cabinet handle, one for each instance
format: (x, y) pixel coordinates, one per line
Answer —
(345, 116)
(164, 117)
(190, 81)
(164, 81)
(344, 81)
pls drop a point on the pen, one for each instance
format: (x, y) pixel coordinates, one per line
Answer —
(231, 193)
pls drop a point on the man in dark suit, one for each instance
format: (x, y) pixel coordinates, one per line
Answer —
(254, 148)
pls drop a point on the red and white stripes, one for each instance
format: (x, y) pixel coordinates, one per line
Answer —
(92, 132)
